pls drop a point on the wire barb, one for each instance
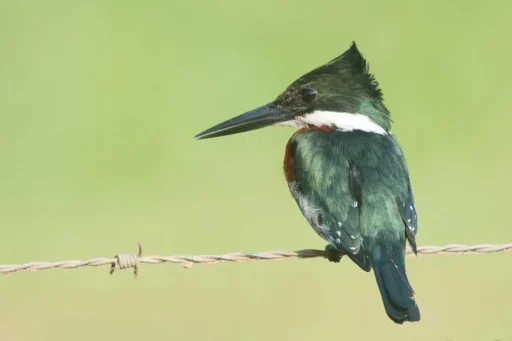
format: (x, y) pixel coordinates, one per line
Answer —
(125, 261)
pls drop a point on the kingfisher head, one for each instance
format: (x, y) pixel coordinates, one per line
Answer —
(340, 95)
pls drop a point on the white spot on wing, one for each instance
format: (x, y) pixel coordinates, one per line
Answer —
(338, 240)
(339, 233)
(340, 223)
(354, 204)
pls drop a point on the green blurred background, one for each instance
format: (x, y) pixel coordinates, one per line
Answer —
(99, 103)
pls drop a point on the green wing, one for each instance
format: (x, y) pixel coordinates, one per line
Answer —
(325, 188)
(405, 199)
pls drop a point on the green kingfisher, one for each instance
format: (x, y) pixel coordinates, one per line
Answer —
(346, 170)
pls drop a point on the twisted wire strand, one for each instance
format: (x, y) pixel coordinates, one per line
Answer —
(125, 261)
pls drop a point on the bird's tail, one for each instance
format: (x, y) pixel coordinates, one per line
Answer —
(397, 294)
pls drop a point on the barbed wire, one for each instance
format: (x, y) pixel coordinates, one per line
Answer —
(125, 261)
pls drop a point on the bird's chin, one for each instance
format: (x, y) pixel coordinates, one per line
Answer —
(291, 123)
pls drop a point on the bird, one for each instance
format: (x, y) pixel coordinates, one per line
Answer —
(346, 170)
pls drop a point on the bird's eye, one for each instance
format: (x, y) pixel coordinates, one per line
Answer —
(309, 95)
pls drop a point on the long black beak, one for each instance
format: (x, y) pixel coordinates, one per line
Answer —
(255, 119)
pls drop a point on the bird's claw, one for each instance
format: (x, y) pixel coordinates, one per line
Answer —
(333, 255)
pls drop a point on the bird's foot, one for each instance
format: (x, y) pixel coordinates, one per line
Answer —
(333, 254)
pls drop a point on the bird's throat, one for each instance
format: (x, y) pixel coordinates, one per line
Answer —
(312, 127)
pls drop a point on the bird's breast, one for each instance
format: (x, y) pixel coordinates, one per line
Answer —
(289, 162)
(289, 154)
